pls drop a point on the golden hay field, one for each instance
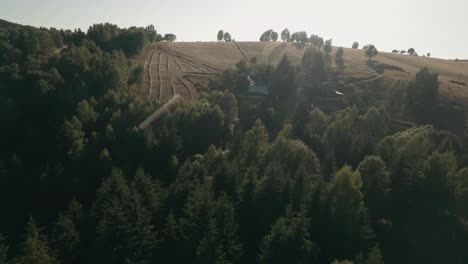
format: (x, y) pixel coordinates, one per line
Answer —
(172, 67)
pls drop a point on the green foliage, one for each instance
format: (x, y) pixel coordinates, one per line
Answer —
(436, 181)
(34, 248)
(86, 113)
(285, 35)
(125, 230)
(171, 37)
(274, 36)
(313, 66)
(4, 247)
(425, 90)
(347, 213)
(73, 138)
(66, 236)
(342, 262)
(300, 37)
(131, 41)
(316, 41)
(376, 183)
(375, 256)
(193, 187)
(460, 192)
(269, 35)
(328, 46)
(370, 51)
(355, 45)
(289, 242)
(254, 145)
(220, 35)
(339, 61)
(227, 37)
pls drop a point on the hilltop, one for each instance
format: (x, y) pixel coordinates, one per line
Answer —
(4, 24)
(192, 61)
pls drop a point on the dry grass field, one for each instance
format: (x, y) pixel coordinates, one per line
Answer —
(171, 68)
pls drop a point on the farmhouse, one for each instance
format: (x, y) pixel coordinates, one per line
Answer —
(259, 89)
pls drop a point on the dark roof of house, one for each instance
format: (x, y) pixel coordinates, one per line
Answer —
(259, 89)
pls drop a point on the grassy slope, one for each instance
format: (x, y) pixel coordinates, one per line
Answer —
(226, 55)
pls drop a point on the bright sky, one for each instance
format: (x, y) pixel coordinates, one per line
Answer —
(435, 26)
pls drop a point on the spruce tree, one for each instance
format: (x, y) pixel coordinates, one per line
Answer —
(4, 247)
(34, 248)
(289, 242)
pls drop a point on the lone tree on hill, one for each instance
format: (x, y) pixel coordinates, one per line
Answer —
(429, 54)
(316, 41)
(274, 36)
(285, 35)
(355, 45)
(170, 37)
(220, 35)
(395, 51)
(411, 51)
(328, 46)
(227, 37)
(339, 61)
(300, 36)
(371, 51)
(266, 36)
(424, 90)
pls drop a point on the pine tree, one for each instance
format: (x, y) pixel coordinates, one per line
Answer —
(227, 230)
(247, 213)
(198, 225)
(34, 249)
(375, 184)
(375, 256)
(254, 144)
(73, 138)
(289, 242)
(125, 232)
(4, 247)
(348, 224)
(339, 61)
(66, 238)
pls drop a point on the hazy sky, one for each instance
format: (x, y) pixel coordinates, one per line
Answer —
(436, 26)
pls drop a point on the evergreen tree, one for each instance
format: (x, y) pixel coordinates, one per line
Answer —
(73, 138)
(4, 247)
(375, 256)
(227, 37)
(274, 36)
(348, 223)
(220, 35)
(34, 249)
(124, 226)
(376, 184)
(247, 211)
(229, 245)
(254, 144)
(66, 236)
(289, 242)
(339, 61)
(285, 35)
(424, 90)
(371, 51)
(86, 114)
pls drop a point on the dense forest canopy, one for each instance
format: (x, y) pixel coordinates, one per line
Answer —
(226, 178)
